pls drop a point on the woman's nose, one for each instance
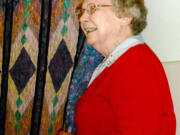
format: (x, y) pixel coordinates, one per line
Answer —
(84, 17)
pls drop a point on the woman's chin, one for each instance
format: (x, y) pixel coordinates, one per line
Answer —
(91, 37)
(90, 40)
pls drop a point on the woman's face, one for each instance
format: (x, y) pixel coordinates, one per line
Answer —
(101, 25)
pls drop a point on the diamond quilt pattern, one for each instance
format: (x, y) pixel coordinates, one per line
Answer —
(22, 70)
(23, 64)
(60, 65)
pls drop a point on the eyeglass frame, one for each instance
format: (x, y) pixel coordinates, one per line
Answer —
(91, 10)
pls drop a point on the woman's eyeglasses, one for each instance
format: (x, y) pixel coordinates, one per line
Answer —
(91, 8)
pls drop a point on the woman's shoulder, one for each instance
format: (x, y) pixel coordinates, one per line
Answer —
(139, 59)
(139, 55)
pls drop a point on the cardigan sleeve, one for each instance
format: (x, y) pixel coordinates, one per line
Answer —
(141, 100)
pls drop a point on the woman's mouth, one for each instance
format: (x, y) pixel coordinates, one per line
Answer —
(91, 29)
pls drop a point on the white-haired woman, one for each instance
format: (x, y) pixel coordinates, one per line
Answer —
(128, 93)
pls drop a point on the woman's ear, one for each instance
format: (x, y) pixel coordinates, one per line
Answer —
(126, 20)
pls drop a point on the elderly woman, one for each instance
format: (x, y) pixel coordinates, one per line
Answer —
(128, 93)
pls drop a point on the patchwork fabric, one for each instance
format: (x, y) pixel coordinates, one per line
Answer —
(23, 67)
(61, 54)
(23, 61)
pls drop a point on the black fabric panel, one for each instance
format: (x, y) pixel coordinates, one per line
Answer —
(42, 66)
(80, 45)
(5, 62)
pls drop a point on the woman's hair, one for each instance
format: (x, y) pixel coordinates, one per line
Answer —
(135, 9)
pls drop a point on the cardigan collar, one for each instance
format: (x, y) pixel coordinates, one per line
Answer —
(122, 47)
(116, 53)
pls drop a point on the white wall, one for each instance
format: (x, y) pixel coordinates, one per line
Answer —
(173, 74)
(162, 34)
(163, 30)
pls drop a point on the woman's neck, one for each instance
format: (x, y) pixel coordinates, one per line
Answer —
(111, 45)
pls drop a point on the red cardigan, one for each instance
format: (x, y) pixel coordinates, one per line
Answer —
(131, 97)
